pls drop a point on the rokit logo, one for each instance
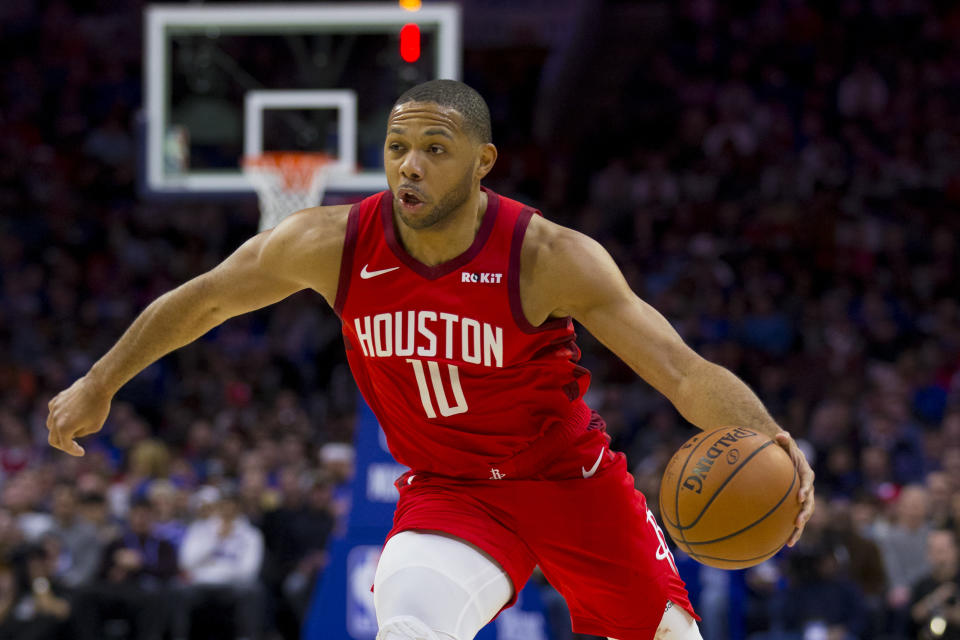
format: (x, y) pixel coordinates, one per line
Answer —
(482, 278)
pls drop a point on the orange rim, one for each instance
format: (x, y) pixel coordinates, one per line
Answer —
(297, 168)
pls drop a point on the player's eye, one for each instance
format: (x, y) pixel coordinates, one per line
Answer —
(436, 148)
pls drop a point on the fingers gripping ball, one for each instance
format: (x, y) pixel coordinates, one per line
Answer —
(729, 497)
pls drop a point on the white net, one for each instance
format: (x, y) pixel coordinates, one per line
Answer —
(286, 182)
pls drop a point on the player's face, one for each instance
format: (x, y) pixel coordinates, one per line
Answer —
(430, 161)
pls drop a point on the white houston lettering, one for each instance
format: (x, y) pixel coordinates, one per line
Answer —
(492, 345)
(403, 351)
(405, 333)
(384, 348)
(449, 318)
(470, 343)
(431, 350)
(366, 342)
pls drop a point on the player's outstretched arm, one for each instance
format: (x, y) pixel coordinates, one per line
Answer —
(302, 252)
(567, 273)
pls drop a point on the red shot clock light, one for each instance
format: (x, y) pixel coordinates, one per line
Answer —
(410, 43)
(410, 34)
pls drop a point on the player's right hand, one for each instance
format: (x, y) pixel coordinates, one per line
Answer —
(77, 411)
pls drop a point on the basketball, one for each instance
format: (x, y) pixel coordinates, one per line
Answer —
(729, 497)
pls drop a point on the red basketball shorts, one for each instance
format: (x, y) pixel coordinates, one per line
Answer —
(591, 533)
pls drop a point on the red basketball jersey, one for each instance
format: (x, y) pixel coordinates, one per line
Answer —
(462, 384)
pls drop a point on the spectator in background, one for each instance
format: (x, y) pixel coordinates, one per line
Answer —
(939, 490)
(93, 508)
(169, 523)
(132, 582)
(819, 603)
(950, 429)
(253, 490)
(307, 531)
(875, 472)
(281, 552)
(858, 560)
(336, 462)
(937, 594)
(839, 474)
(903, 546)
(80, 546)
(822, 590)
(36, 602)
(10, 535)
(21, 497)
(203, 504)
(16, 450)
(148, 460)
(111, 142)
(200, 447)
(221, 559)
(8, 596)
(950, 462)
(862, 93)
(296, 535)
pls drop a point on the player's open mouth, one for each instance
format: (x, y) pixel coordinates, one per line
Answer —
(409, 200)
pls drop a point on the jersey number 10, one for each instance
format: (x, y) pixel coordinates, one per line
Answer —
(443, 404)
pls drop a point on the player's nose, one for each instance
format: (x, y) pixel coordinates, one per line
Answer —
(411, 168)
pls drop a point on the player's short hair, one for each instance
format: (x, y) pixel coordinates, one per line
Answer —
(455, 95)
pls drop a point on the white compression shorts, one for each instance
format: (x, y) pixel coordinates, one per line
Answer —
(453, 589)
(448, 584)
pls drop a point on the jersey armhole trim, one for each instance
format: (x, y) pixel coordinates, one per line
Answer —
(513, 279)
(346, 260)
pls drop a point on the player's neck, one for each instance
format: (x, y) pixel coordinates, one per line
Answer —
(447, 239)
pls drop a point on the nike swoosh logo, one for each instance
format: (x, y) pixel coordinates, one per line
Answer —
(596, 465)
(366, 274)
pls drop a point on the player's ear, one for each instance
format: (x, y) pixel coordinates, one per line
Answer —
(485, 159)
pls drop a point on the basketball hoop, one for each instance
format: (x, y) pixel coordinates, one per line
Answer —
(286, 182)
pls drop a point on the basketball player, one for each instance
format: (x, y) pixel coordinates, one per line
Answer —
(457, 307)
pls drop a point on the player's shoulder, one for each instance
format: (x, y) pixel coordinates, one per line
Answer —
(314, 221)
(310, 230)
(557, 264)
(545, 243)
(309, 241)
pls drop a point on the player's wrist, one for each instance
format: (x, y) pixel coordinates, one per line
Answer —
(773, 430)
(99, 383)
(770, 429)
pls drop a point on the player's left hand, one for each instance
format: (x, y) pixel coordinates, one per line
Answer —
(805, 495)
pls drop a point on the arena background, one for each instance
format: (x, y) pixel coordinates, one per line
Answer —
(780, 178)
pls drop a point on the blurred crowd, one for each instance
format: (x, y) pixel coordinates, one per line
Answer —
(780, 178)
(246, 555)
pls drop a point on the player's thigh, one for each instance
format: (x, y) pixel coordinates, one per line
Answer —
(676, 624)
(448, 584)
(604, 553)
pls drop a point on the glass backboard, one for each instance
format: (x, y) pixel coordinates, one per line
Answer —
(222, 81)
